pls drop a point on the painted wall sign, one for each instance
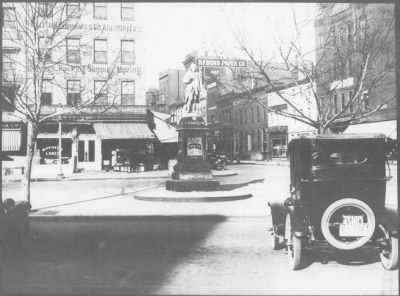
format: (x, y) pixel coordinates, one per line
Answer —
(101, 69)
(194, 146)
(103, 27)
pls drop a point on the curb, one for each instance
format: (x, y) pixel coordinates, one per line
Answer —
(218, 175)
(194, 199)
(282, 163)
(162, 195)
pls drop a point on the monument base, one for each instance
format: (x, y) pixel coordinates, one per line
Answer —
(192, 172)
(192, 185)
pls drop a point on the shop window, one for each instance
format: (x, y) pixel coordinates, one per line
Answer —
(11, 138)
(81, 151)
(73, 92)
(100, 51)
(73, 10)
(100, 11)
(127, 52)
(127, 11)
(46, 97)
(44, 49)
(73, 50)
(127, 93)
(100, 92)
(91, 150)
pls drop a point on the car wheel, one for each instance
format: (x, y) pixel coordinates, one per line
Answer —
(293, 245)
(353, 232)
(390, 254)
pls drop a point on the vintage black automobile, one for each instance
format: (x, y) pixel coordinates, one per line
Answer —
(337, 195)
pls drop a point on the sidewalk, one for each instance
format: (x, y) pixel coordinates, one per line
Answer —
(45, 173)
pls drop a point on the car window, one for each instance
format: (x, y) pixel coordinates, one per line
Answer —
(331, 158)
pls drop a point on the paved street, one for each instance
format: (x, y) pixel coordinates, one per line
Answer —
(174, 248)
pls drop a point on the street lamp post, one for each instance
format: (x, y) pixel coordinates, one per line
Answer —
(60, 171)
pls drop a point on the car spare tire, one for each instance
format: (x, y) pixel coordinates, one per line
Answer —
(348, 223)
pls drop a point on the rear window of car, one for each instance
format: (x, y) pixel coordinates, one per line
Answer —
(334, 158)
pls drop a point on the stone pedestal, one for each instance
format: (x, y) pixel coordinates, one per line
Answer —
(192, 171)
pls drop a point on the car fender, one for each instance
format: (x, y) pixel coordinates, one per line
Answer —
(278, 214)
(391, 220)
(298, 218)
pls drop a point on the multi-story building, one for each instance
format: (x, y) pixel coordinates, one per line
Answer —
(349, 37)
(250, 125)
(171, 88)
(247, 129)
(92, 90)
(152, 96)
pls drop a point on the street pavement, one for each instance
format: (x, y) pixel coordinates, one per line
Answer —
(92, 237)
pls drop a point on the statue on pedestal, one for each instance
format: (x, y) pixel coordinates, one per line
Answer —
(193, 91)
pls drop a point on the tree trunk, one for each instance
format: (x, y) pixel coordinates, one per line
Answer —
(32, 133)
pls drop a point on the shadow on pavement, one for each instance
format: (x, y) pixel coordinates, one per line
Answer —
(226, 187)
(326, 254)
(103, 256)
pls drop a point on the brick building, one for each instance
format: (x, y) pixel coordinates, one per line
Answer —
(106, 40)
(345, 35)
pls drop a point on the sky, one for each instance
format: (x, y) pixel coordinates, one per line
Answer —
(170, 31)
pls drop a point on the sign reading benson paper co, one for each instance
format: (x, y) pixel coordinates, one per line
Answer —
(201, 62)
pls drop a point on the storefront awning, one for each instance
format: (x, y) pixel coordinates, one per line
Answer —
(389, 128)
(165, 132)
(123, 131)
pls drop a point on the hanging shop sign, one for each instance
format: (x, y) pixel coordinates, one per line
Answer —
(208, 62)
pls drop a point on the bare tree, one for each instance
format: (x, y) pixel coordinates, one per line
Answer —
(34, 46)
(357, 58)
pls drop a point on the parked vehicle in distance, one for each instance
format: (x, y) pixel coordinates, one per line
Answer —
(337, 195)
(217, 160)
